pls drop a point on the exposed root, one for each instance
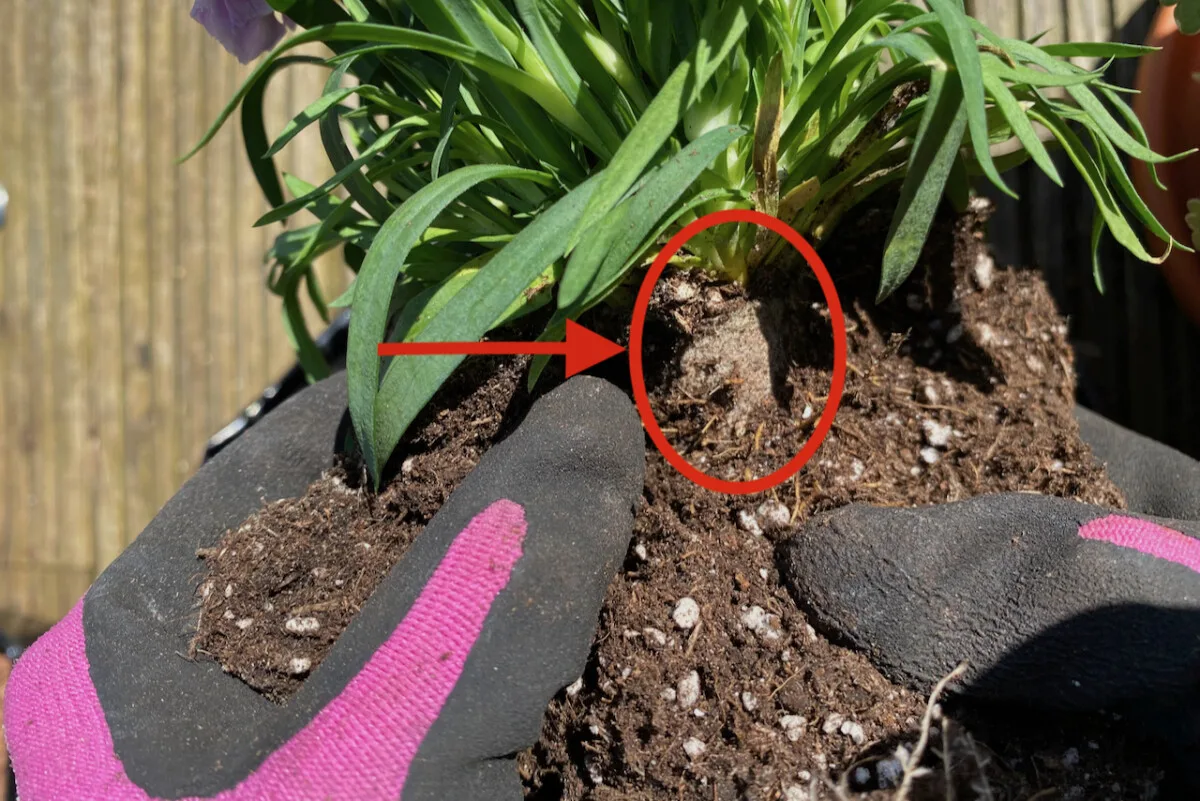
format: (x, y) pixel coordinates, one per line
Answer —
(912, 766)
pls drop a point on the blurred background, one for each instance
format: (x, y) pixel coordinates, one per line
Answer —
(134, 319)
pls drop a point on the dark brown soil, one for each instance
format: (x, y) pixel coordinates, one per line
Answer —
(280, 589)
(945, 398)
(749, 702)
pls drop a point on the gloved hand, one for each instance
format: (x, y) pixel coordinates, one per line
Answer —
(441, 678)
(1056, 604)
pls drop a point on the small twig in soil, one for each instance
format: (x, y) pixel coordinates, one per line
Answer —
(317, 607)
(845, 429)
(901, 394)
(691, 643)
(992, 449)
(287, 581)
(912, 764)
(782, 684)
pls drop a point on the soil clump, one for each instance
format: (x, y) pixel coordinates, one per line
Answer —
(705, 680)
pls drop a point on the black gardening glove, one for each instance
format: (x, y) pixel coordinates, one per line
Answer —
(440, 679)
(1056, 604)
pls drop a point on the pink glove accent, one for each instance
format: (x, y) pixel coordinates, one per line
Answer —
(359, 747)
(1146, 537)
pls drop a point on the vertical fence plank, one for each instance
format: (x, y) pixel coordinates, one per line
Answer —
(192, 82)
(100, 244)
(15, 445)
(34, 199)
(220, 319)
(9, 133)
(137, 274)
(163, 191)
(65, 308)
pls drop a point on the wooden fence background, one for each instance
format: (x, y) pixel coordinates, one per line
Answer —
(133, 318)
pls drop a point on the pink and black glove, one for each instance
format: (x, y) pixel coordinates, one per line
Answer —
(441, 678)
(1056, 604)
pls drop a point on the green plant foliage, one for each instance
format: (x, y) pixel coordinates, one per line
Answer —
(491, 157)
(1187, 15)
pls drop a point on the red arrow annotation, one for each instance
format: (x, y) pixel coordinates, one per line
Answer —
(583, 348)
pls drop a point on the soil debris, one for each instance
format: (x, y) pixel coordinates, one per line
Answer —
(706, 683)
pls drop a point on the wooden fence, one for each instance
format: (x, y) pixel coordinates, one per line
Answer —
(134, 321)
(133, 318)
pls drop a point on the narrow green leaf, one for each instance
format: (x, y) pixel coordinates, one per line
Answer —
(641, 32)
(313, 112)
(567, 79)
(419, 311)
(1086, 99)
(1135, 126)
(410, 382)
(427, 304)
(935, 148)
(312, 361)
(254, 131)
(826, 22)
(609, 50)
(346, 299)
(1097, 267)
(316, 295)
(1010, 107)
(1022, 75)
(340, 157)
(557, 61)
(1094, 178)
(322, 206)
(1097, 50)
(643, 143)
(358, 11)
(449, 104)
(597, 263)
(1116, 176)
(550, 98)
(969, 72)
(376, 281)
(663, 114)
(556, 328)
(282, 212)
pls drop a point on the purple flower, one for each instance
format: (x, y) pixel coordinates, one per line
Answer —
(246, 28)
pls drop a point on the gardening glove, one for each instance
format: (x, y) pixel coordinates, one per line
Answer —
(1056, 604)
(439, 680)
